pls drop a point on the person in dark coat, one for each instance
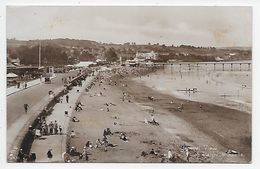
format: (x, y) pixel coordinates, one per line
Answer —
(67, 98)
(55, 127)
(49, 154)
(26, 106)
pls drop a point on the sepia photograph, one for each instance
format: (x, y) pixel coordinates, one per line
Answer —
(129, 84)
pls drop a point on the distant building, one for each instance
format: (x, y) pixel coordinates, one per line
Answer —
(146, 56)
(85, 64)
(125, 56)
(218, 59)
(185, 54)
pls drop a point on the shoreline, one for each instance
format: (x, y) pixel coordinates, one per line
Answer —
(239, 100)
(209, 122)
(213, 112)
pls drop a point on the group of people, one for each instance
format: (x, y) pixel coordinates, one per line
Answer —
(78, 82)
(165, 157)
(153, 121)
(126, 97)
(51, 128)
(24, 85)
(123, 137)
(78, 106)
(89, 145)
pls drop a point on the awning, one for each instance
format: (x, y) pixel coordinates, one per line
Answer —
(11, 75)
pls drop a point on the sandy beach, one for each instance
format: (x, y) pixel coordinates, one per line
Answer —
(117, 102)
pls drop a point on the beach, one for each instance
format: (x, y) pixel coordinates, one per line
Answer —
(212, 134)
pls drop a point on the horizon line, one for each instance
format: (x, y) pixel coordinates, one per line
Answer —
(114, 43)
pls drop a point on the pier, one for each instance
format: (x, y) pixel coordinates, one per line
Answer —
(224, 66)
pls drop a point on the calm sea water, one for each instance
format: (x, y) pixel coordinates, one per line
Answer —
(230, 88)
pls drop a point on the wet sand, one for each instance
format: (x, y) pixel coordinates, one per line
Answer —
(208, 129)
(231, 128)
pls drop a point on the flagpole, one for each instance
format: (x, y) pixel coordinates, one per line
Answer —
(40, 54)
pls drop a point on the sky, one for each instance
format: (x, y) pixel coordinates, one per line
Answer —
(198, 26)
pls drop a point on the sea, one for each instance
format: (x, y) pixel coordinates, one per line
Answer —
(206, 82)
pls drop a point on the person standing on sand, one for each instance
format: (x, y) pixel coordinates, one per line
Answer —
(104, 133)
(85, 154)
(87, 144)
(25, 85)
(67, 98)
(169, 155)
(72, 134)
(187, 154)
(152, 118)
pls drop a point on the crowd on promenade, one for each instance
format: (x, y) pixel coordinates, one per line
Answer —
(44, 125)
(48, 128)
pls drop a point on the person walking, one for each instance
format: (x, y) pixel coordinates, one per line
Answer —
(26, 106)
(25, 85)
(49, 154)
(67, 98)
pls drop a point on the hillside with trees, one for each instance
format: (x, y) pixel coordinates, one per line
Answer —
(71, 51)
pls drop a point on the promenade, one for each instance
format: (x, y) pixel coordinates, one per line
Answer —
(36, 96)
(58, 142)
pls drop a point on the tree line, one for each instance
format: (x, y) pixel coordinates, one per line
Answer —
(55, 55)
(50, 55)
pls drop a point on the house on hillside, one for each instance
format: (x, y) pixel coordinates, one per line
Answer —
(125, 56)
(84, 64)
(146, 56)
